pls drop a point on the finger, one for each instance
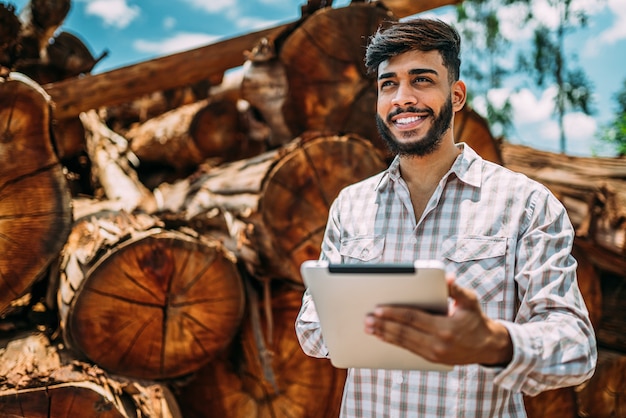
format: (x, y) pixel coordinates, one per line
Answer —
(387, 329)
(422, 343)
(407, 315)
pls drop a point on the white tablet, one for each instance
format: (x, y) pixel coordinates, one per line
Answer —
(344, 293)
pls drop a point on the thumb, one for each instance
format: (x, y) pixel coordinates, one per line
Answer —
(463, 298)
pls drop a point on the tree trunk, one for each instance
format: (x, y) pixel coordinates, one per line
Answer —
(328, 86)
(604, 395)
(143, 301)
(267, 375)
(183, 138)
(284, 195)
(35, 204)
(40, 19)
(610, 333)
(404, 8)
(112, 171)
(122, 85)
(10, 26)
(559, 403)
(473, 129)
(40, 381)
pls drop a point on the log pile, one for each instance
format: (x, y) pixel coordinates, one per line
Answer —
(154, 230)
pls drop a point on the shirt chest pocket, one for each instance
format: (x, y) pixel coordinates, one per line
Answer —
(479, 264)
(365, 249)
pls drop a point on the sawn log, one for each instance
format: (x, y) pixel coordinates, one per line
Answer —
(35, 203)
(144, 301)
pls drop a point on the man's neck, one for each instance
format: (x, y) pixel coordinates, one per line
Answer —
(422, 174)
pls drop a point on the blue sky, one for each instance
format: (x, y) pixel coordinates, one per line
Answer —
(134, 31)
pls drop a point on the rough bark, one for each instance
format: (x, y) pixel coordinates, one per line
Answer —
(39, 380)
(35, 211)
(40, 19)
(111, 166)
(404, 8)
(283, 195)
(9, 30)
(328, 86)
(208, 130)
(610, 332)
(76, 95)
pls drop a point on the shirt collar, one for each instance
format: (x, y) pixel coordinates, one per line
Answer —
(467, 168)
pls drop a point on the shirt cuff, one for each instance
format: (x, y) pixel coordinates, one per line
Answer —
(526, 352)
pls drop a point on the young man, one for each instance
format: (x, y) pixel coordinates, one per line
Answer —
(517, 323)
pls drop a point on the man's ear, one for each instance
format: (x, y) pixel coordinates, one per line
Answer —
(459, 95)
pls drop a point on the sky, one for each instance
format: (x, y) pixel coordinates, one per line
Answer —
(135, 31)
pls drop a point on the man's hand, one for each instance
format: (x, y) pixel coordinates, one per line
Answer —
(464, 336)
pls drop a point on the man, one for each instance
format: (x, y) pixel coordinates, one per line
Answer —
(518, 323)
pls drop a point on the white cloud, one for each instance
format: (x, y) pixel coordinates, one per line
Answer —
(579, 134)
(253, 23)
(178, 43)
(213, 6)
(115, 13)
(527, 108)
(535, 117)
(618, 30)
(511, 20)
(579, 126)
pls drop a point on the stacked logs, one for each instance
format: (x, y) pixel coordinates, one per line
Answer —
(166, 276)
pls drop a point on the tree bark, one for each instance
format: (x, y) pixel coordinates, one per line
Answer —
(112, 171)
(283, 195)
(610, 333)
(145, 302)
(40, 19)
(328, 86)
(76, 95)
(10, 26)
(209, 130)
(404, 8)
(40, 381)
(35, 203)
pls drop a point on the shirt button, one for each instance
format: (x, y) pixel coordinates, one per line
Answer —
(365, 252)
(397, 379)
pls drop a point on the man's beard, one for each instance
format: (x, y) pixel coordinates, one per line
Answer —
(428, 144)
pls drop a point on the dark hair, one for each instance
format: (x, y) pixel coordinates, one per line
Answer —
(415, 34)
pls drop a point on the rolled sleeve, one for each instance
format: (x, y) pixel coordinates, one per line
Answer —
(308, 329)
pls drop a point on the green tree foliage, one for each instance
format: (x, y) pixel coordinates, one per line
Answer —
(483, 62)
(615, 132)
(545, 62)
(550, 64)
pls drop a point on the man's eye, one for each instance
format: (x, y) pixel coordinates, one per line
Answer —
(386, 84)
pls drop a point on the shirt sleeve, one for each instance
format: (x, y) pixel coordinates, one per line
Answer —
(553, 338)
(308, 328)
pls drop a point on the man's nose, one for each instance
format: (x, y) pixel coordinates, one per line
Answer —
(404, 96)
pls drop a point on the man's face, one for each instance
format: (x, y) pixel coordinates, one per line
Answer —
(414, 107)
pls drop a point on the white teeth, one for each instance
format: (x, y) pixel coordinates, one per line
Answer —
(403, 121)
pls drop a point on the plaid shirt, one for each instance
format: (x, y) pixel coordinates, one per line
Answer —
(504, 236)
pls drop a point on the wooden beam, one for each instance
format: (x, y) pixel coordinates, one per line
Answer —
(76, 95)
(404, 8)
